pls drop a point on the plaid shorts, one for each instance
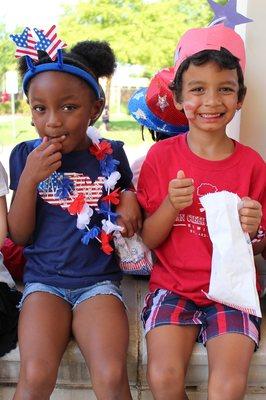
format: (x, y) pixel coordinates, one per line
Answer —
(164, 307)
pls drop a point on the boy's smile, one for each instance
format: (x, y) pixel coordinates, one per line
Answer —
(209, 97)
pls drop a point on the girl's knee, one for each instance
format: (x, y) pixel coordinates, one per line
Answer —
(110, 379)
(38, 377)
(165, 379)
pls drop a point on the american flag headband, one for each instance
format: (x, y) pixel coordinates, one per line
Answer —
(47, 41)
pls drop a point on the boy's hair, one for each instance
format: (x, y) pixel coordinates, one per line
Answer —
(223, 58)
(95, 57)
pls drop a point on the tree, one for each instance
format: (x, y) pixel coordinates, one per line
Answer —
(140, 32)
(7, 50)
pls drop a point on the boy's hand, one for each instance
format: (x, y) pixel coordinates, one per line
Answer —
(130, 213)
(180, 191)
(44, 160)
(250, 215)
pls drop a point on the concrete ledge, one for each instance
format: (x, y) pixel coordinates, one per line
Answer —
(73, 378)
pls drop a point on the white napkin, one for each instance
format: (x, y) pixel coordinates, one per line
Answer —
(233, 274)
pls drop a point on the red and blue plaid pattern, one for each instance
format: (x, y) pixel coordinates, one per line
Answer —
(163, 307)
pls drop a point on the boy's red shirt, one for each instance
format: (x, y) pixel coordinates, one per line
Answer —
(184, 258)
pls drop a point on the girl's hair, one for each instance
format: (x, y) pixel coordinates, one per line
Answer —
(223, 58)
(157, 135)
(95, 57)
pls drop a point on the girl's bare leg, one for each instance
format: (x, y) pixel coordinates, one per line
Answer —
(100, 327)
(44, 331)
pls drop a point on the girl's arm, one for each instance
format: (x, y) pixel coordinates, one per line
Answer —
(40, 164)
(157, 226)
(128, 209)
(3, 220)
(130, 217)
(21, 216)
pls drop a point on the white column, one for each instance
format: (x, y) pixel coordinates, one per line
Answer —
(233, 129)
(253, 115)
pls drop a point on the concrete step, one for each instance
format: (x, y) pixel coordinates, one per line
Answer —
(74, 381)
(63, 393)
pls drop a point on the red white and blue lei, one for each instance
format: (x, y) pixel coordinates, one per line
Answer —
(63, 188)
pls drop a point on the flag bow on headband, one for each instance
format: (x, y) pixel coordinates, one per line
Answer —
(47, 41)
(26, 44)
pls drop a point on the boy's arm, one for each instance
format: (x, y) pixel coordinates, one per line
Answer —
(263, 252)
(250, 216)
(3, 219)
(260, 248)
(157, 226)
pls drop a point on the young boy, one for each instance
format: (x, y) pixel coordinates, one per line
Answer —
(209, 87)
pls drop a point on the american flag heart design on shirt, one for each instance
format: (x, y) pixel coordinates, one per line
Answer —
(82, 185)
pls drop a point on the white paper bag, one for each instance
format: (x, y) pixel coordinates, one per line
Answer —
(233, 274)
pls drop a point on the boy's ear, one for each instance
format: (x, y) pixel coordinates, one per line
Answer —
(240, 104)
(178, 105)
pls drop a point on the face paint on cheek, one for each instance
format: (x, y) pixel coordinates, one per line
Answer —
(189, 109)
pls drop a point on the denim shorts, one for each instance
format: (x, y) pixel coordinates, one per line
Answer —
(74, 296)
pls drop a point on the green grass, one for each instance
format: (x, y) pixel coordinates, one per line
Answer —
(23, 130)
(122, 127)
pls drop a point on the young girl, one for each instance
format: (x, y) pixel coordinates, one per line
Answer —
(61, 213)
(9, 296)
(209, 87)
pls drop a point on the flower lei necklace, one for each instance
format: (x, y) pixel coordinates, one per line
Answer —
(63, 188)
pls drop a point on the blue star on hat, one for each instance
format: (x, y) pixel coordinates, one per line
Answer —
(227, 14)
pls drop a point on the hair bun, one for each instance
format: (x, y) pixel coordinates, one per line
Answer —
(96, 55)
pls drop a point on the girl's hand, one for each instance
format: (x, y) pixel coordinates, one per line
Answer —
(180, 191)
(130, 213)
(250, 215)
(44, 160)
